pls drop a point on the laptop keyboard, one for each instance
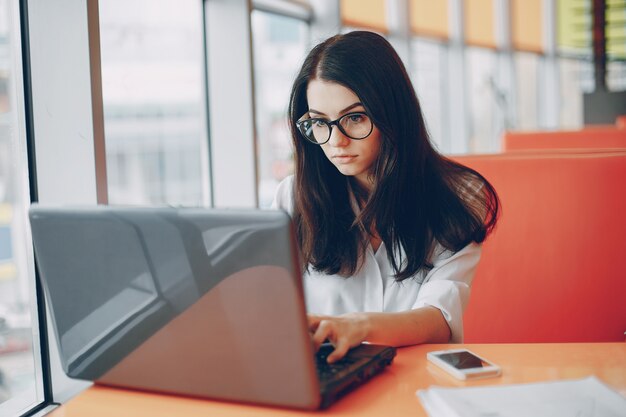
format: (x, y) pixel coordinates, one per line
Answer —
(359, 364)
(328, 371)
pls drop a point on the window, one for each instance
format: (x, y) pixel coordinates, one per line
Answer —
(526, 29)
(526, 72)
(429, 69)
(21, 380)
(429, 18)
(487, 100)
(576, 78)
(616, 75)
(279, 45)
(479, 23)
(574, 22)
(370, 14)
(154, 102)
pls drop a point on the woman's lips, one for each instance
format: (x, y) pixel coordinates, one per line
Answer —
(344, 159)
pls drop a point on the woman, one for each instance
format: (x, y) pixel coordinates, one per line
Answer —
(390, 231)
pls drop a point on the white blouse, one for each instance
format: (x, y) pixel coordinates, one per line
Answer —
(373, 288)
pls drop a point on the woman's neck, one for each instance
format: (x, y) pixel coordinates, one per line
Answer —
(361, 195)
(359, 190)
(363, 181)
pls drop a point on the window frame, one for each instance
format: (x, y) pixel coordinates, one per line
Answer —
(25, 146)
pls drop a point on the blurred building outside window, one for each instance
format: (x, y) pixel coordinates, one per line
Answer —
(279, 46)
(428, 69)
(526, 66)
(616, 73)
(575, 49)
(154, 102)
(575, 79)
(488, 100)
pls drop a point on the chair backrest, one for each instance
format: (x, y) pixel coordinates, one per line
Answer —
(590, 137)
(554, 270)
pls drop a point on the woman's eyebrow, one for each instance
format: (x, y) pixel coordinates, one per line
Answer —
(350, 107)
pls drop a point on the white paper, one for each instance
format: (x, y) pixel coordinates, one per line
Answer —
(573, 398)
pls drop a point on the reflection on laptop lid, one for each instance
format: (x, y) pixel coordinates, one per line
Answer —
(199, 302)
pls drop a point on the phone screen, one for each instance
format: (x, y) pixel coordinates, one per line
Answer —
(462, 360)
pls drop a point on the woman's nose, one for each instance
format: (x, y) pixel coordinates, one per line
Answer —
(337, 138)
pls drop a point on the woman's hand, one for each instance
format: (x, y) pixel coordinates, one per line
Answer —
(344, 332)
(420, 325)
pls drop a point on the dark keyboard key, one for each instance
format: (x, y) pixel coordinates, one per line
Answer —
(327, 370)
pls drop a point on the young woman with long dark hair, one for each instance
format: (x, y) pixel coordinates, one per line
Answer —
(390, 231)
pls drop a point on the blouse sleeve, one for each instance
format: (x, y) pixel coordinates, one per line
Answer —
(447, 286)
(283, 198)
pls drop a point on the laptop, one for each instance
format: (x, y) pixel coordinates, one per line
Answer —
(197, 302)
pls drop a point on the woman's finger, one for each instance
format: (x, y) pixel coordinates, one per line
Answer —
(314, 321)
(324, 330)
(341, 348)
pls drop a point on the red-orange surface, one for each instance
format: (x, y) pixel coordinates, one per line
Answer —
(589, 137)
(389, 394)
(554, 270)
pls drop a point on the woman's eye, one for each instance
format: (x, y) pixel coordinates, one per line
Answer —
(357, 118)
(318, 123)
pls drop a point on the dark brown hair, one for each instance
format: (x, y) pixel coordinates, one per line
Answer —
(419, 197)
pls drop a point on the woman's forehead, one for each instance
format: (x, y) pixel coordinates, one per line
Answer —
(329, 97)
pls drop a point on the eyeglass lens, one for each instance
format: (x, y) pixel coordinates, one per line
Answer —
(353, 125)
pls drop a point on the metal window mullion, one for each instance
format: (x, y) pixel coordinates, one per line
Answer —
(548, 94)
(231, 103)
(38, 313)
(97, 105)
(459, 109)
(207, 167)
(506, 73)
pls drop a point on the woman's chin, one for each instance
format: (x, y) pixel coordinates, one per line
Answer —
(349, 171)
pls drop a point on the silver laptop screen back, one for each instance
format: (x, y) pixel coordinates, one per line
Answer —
(192, 301)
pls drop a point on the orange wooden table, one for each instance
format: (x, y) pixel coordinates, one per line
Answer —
(391, 393)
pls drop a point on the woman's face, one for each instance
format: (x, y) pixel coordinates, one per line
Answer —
(330, 101)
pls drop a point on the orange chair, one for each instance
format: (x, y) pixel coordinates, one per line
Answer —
(554, 270)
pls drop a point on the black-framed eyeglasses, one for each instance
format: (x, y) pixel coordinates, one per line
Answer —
(355, 125)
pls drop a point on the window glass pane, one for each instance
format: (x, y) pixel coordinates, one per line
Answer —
(576, 78)
(526, 22)
(280, 44)
(574, 27)
(526, 71)
(616, 30)
(616, 76)
(429, 18)
(487, 113)
(428, 75)
(479, 23)
(154, 101)
(370, 14)
(21, 381)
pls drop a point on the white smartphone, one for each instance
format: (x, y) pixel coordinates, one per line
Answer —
(463, 364)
